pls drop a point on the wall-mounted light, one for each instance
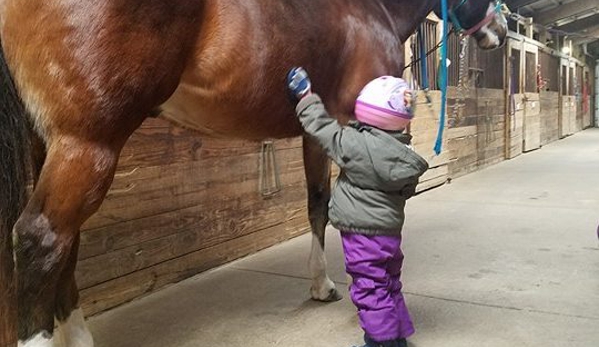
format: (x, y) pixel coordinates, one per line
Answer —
(566, 50)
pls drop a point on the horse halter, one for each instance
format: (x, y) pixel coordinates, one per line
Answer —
(456, 21)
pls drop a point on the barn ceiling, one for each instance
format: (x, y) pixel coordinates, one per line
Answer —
(578, 19)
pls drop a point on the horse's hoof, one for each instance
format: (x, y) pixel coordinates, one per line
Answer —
(333, 296)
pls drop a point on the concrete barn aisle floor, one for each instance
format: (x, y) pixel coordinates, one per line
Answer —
(507, 256)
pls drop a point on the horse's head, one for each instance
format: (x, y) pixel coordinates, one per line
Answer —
(483, 19)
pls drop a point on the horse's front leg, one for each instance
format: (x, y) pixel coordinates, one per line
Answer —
(72, 330)
(73, 182)
(318, 177)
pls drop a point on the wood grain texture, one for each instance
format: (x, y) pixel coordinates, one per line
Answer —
(532, 122)
(549, 116)
(476, 130)
(180, 204)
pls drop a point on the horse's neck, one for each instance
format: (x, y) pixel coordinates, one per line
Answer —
(408, 14)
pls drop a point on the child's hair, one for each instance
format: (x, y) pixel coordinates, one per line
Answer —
(385, 103)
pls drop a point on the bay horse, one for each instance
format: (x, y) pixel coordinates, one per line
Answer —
(80, 76)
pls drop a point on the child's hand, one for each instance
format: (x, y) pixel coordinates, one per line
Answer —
(299, 83)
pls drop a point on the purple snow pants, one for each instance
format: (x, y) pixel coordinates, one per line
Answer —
(374, 263)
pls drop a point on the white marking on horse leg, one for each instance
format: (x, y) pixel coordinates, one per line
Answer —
(74, 331)
(322, 286)
(42, 339)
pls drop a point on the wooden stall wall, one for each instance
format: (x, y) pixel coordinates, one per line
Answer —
(424, 128)
(547, 95)
(462, 132)
(491, 126)
(476, 131)
(476, 109)
(425, 125)
(475, 125)
(181, 204)
(549, 111)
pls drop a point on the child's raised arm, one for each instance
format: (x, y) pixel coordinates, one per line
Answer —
(314, 117)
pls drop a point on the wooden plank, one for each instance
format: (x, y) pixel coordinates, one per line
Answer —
(155, 190)
(203, 227)
(494, 94)
(464, 156)
(123, 289)
(549, 112)
(532, 122)
(433, 178)
(464, 146)
(517, 126)
(476, 131)
(456, 133)
(491, 127)
(433, 159)
(133, 230)
(160, 143)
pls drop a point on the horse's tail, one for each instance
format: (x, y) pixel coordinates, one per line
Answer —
(14, 162)
(15, 152)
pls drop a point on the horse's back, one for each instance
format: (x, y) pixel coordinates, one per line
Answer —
(217, 66)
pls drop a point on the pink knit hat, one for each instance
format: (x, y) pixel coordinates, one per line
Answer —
(382, 104)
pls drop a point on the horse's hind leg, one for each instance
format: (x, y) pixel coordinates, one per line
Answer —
(72, 184)
(318, 175)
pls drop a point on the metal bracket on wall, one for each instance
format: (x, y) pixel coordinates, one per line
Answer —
(269, 180)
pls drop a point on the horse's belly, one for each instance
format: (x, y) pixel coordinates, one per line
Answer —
(219, 113)
(189, 114)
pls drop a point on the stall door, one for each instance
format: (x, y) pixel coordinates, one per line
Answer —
(566, 98)
(586, 99)
(531, 99)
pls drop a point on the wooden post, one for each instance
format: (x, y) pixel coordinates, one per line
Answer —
(8, 301)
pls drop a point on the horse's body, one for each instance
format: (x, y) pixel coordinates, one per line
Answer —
(220, 71)
(90, 72)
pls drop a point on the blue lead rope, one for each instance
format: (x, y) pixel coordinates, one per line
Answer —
(443, 78)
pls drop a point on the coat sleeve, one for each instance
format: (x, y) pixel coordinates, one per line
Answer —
(326, 130)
